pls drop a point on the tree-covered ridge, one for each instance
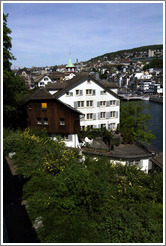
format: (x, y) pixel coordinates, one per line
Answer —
(122, 53)
(85, 201)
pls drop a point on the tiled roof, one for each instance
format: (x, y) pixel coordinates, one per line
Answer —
(39, 94)
(42, 94)
(40, 77)
(56, 86)
(130, 152)
(77, 80)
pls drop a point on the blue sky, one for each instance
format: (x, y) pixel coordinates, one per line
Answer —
(43, 33)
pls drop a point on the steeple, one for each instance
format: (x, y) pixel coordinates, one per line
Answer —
(70, 67)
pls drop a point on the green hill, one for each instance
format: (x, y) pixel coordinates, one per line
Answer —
(128, 53)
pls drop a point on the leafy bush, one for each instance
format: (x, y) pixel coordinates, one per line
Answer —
(91, 201)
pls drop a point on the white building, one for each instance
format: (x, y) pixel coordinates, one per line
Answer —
(100, 106)
(42, 80)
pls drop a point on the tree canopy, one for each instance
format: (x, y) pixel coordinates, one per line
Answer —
(155, 63)
(134, 123)
(14, 88)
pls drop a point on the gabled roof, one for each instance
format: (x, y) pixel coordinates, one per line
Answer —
(40, 77)
(56, 86)
(79, 79)
(42, 94)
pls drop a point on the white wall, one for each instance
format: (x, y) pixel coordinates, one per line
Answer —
(44, 81)
(96, 121)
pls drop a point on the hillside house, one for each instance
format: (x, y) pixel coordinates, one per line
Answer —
(42, 80)
(100, 105)
(46, 112)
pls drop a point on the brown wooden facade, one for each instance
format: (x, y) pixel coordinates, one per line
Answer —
(53, 115)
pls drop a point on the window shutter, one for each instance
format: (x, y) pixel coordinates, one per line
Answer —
(117, 103)
(116, 114)
(81, 92)
(101, 92)
(108, 114)
(94, 92)
(99, 116)
(95, 126)
(75, 104)
(98, 104)
(94, 116)
(107, 103)
(71, 93)
(99, 126)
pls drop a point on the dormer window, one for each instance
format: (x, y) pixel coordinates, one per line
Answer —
(46, 79)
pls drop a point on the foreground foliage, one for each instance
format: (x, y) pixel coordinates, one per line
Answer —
(14, 89)
(134, 123)
(89, 201)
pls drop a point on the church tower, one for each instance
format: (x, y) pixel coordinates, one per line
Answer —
(70, 67)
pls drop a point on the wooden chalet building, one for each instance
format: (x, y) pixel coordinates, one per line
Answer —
(58, 118)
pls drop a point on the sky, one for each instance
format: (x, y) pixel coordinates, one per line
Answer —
(43, 33)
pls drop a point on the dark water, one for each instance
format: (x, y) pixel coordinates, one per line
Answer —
(155, 124)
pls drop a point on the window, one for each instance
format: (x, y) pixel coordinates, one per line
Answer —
(113, 114)
(62, 122)
(46, 79)
(89, 103)
(29, 106)
(103, 125)
(80, 104)
(41, 83)
(68, 94)
(88, 92)
(102, 115)
(103, 92)
(45, 121)
(112, 126)
(112, 103)
(82, 127)
(44, 106)
(102, 103)
(39, 121)
(90, 126)
(77, 92)
(89, 116)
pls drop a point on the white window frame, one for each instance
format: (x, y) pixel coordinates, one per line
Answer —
(80, 104)
(89, 116)
(102, 115)
(113, 114)
(78, 94)
(89, 92)
(89, 103)
(102, 103)
(113, 103)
